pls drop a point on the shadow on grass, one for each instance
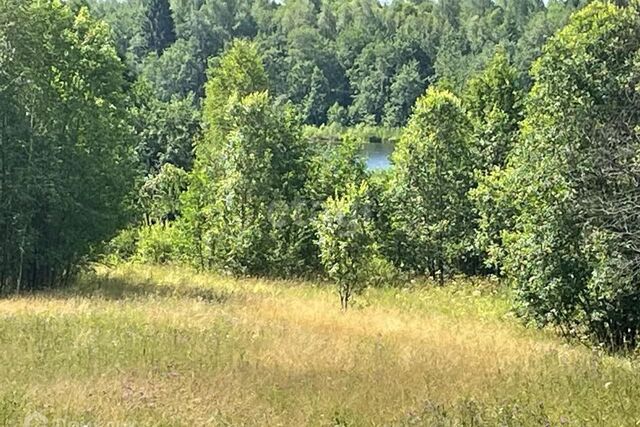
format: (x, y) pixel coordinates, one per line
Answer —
(119, 289)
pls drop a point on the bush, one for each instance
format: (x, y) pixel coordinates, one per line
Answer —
(379, 272)
(573, 181)
(124, 246)
(158, 244)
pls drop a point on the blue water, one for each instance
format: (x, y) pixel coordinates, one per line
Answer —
(378, 155)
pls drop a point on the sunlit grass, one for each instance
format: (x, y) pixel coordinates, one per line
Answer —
(166, 346)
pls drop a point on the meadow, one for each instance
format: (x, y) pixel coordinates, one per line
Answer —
(160, 346)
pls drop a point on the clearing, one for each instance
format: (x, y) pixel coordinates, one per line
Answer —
(140, 345)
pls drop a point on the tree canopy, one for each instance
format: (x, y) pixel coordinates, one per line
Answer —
(66, 147)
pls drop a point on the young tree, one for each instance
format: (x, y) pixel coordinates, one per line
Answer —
(434, 166)
(166, 131)
(407, 86)
(493, 100)
(257, 221)
(345, 235)
(240, 72)
(236, 74)
(160, 194)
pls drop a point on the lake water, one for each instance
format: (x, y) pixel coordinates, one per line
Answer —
(378, 155)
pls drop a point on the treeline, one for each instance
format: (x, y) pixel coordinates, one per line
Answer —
(532, 179)
(337, 61)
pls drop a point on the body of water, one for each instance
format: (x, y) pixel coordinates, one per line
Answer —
(378, 155)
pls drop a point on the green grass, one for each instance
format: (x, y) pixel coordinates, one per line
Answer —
(168, 347)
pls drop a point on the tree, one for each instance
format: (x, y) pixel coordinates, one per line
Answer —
(493, 100)
(433, 165)
(407, 86)
(236, 74)
(335, 169)
(160, 194)
(179, 72)
(239, 71)
(166, 131)
(256, 218)
(158, 29)
(345, 236)
(66, 155)
(572, 252)
(370, 78)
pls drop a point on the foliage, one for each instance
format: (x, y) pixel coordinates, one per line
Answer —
(158, 244)
(238, 72)
(334, 169)
(160, 194)
(65, 141)
(493, 100)
(433, 172)
(251, 190)
(372, 58)
(157, 30)
(166, 131)
(573, 181)
(345, 235)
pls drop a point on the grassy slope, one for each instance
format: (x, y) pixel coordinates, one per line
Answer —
(157, 346)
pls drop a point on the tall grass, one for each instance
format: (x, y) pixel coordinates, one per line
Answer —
(165, 346)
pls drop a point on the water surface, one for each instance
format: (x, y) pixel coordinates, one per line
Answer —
(378, 155)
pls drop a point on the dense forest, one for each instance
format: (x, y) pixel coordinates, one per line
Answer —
(178, 132)
(342, 62)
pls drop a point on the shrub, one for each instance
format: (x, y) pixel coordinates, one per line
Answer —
(158, 244)
(123, 246)
(573, 180)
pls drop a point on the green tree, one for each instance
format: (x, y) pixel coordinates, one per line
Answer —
(179, 72)
(256, 221)
(160, 194)
(157, 28)
(345, 237)
(65, 142)
(573, 181)
(407, 86)
(493, 100)
(433, 165)
(335, 169)
(166, 131)
(238, 72)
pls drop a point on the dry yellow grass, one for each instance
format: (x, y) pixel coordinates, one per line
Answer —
(165, 346)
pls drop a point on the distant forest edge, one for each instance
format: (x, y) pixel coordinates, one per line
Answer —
(337, 61)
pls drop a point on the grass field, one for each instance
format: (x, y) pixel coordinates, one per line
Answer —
(168, 347)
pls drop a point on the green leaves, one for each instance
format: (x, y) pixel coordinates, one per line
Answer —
(433, 172)
(66, 145)
(345, 235)
(573, 180)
